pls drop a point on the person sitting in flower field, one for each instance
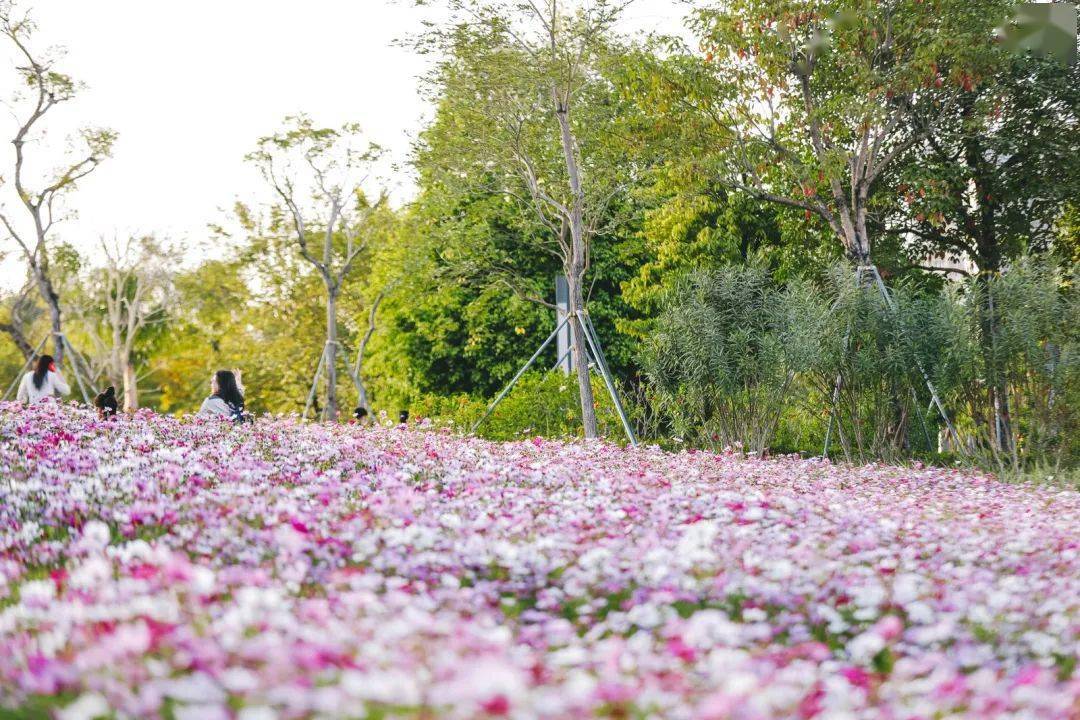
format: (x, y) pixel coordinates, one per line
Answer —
(227, 397)
(44, 381)
(106, 403)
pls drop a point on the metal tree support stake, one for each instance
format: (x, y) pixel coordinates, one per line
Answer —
(349, 370)
(609, 381)
(525, 367)
(75, 358)
(593, 349)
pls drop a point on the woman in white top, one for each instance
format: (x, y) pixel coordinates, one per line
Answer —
(44, 381)
(226, 399)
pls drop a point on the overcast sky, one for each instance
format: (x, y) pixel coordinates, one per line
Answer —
(190, 86)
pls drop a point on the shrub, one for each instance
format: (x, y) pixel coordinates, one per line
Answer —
(737, 360)
(725, 353)
(540, 404)
(1016, 356)
(875, 353)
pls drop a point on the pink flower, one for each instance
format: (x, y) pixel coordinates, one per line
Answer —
(889, 628)
(497, 706)
(856, 676)
(681, 650)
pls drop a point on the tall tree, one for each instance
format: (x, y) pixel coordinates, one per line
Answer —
(991, 182)
(527, 114)
(808, 104)
(129, 293)
(46, 89)
(319, 174)
(992, 179)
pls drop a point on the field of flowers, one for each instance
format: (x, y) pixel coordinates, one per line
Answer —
(154, 567)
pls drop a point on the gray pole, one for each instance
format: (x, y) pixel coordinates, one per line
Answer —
(565, 338)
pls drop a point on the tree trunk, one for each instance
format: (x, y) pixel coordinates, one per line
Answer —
(15, 332)
(116, 366)
(578, 264)
(131, 387)
(119, 356)
(862, 239)
(996, 386)
(52, 301)
(989, 260)
(358, 370)
(330, 412)
(581, 357)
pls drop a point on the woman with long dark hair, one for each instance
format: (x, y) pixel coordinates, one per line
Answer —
(44, 381)
(226, 397)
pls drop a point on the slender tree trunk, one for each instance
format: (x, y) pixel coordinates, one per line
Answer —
(330, 412)
(996, 386)
(578, 264)
(39, 266)
(52, 301)
(116, 368)
(131, 387)
(358, 370)
(118, 358)
(581, 357)
(989, 261)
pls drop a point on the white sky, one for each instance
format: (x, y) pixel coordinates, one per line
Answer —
(190, 86)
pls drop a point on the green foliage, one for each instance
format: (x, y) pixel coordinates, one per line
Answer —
(877, 350)
(454, 325)
(542, 404)
(691, 226)
(259, 311)
(736, 358)
(1034, 353)
(809, 104)
(727, 347)
(991, 178)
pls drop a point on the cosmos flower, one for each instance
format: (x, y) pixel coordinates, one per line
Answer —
(153, 567)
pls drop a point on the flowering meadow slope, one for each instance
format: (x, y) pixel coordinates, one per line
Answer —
(152, 567)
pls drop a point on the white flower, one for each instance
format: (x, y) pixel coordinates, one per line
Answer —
(257, 712)
(37, 592)
(91, 573)
(194, 688)
(95, 535)
(201, 711)
(862, 648)
(88, 706)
